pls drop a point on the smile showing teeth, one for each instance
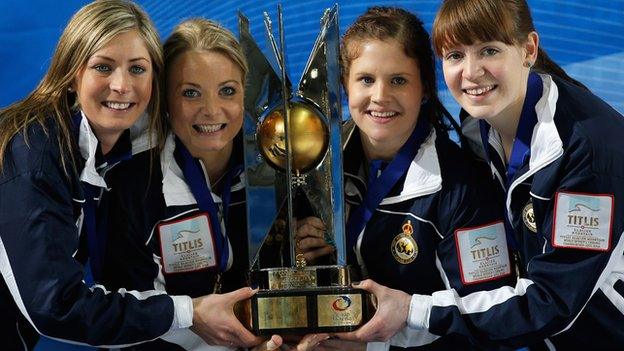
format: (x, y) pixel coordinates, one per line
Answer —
(117, 105)
(208, 128)
(479, 91)
(383, 114)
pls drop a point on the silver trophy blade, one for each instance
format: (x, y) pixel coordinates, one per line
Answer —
(264, 90)
(320, 84)
(278, 51)
(268, 91)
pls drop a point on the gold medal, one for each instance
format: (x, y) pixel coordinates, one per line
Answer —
(528, 217)
(404, 248)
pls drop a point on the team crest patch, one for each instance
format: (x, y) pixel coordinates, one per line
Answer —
(187, 245)
(528, 217)
(404, 247)
(482, 253)
(583, 221)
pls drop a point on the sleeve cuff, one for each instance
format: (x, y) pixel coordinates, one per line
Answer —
(419, 311)
(182, 312)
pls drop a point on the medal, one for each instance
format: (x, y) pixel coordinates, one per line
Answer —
(404, 248)
(528, 217)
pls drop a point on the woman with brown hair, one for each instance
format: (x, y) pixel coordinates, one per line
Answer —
(557, 152)
(61, 151)
(413, 222)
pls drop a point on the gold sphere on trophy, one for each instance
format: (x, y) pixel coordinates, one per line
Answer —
(309, 138)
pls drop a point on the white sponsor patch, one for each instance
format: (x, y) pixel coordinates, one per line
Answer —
(583, 221)
(187, 245)
(483, 253)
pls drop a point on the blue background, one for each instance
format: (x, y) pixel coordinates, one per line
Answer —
(586, 38)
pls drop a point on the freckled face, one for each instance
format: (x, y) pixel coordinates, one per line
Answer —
(385, 93)
(205, 100)
(487, 79)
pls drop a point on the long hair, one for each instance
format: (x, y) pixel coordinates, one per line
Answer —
(90, 29)
(383, 23)
(508, 21)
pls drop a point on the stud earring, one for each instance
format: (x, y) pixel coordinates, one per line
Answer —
(527, 64)
(70, 89)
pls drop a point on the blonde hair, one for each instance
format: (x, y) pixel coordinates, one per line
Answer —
(203, 35)
(90, 29)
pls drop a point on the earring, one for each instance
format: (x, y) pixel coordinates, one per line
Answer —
(70, 89)
(424, 100)
(527, 64)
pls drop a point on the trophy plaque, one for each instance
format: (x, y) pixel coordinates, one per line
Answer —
(293, 156)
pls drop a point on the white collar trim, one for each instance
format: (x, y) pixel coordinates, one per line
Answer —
(423, 176)
(175, 189)
(88, 143)
(546, 145)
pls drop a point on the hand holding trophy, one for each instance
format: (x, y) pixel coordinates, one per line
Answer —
(293, 164)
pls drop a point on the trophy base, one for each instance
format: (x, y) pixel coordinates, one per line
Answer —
(304, 310)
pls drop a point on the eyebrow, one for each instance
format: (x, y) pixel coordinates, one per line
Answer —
(361, 73)
(103, 57)
(188, 83)
(199, 86)
(230, 81)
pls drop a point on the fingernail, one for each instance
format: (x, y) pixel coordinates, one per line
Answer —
(271, 345)
(355, 284)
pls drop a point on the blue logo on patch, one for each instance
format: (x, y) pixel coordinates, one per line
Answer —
(479, 236)
(582, 203)
(181, 229)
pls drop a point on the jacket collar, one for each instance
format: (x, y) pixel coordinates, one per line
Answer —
(174, 187)
(546, 144)
(423, 175)
(88, 146)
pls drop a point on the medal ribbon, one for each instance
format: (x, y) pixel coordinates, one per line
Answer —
(95, 216)
(380, 186)
(521, 150)
(198, 183)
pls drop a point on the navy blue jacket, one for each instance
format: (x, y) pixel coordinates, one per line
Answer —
(42, 290)
(572, 294)
(444, 196)
(146, 199)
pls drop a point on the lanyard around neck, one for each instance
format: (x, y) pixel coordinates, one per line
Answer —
(381, 186)
(96, 212)
(198, 183)
(521, 150)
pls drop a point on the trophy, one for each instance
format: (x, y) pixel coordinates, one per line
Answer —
(293, 156)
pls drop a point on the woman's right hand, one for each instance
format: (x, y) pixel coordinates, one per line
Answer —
(310, 239)
(214, 320)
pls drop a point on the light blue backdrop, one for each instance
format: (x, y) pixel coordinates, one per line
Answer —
(586, 38)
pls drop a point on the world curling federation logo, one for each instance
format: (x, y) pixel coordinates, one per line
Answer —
(342, 303)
